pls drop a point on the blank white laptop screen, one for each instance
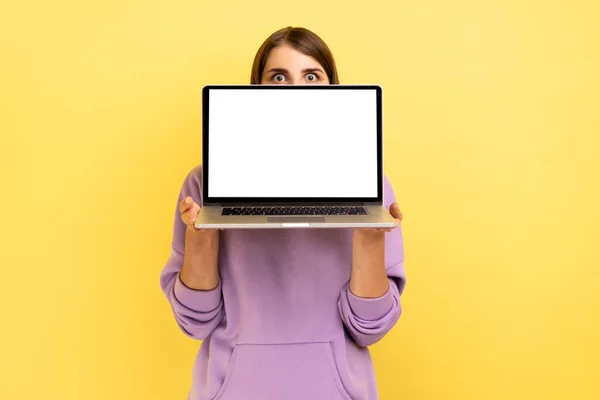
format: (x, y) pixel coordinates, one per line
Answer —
(292, 143)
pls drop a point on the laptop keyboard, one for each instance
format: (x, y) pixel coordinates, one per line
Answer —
(294, 211)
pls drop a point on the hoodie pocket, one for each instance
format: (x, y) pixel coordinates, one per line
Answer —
(282, 371)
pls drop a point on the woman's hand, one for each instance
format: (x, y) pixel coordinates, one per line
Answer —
(189, 210)
(396, 213)
(200, 266)
(369, 278)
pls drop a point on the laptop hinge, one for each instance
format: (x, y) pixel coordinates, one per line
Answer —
(296, 204)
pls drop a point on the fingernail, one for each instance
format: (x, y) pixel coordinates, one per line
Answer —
(187, 200)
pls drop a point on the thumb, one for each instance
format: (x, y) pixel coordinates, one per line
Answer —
(396, 210)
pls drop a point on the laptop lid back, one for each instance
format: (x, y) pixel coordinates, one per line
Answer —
(292, 144)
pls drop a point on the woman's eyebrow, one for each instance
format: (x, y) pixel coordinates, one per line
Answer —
(278, 70)
(308, 70)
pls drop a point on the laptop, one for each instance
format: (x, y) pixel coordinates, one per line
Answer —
(292, 156)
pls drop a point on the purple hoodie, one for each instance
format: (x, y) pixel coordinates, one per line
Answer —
(282, 323)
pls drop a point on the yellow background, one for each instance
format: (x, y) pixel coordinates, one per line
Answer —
(492, 143)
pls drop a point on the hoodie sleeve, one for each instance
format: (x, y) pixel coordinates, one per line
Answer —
(369, 320)
(197, 312)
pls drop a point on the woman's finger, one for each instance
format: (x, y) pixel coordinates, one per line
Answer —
(185, 204)
(185, 217)
(396, 212)
(190, 216)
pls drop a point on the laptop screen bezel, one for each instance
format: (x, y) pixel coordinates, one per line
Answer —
(289, 200)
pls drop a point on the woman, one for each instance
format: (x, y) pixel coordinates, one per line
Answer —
(284, 314)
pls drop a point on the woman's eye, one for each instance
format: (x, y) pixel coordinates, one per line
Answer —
(311, 77)
(279, 78)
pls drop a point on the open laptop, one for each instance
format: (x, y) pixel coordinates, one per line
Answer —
(292, 156)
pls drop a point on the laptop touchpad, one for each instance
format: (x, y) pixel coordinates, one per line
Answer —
(292, 220)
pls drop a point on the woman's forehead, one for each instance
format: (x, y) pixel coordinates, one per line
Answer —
(286, 57)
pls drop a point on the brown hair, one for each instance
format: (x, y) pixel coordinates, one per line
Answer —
(301, 39)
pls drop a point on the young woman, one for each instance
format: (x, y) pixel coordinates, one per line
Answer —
(284, 314)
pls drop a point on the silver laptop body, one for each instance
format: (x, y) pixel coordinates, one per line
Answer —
(292, 156)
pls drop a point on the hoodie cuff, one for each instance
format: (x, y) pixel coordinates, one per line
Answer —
(371, 309)
(197, 300)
